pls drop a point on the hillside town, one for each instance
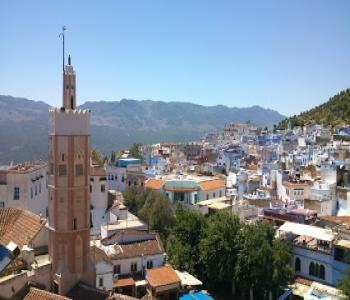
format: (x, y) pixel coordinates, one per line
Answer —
(74, 228)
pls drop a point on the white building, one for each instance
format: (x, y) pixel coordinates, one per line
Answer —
(99, 199)
(126, 253)
(25, 186)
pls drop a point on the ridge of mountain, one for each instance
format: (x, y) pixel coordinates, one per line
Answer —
(119, 124)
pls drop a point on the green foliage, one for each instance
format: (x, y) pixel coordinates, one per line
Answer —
(282, 271)
(152, 207)
(218, 248)
(113, 157)
(225, 252)
(157, 212)
(332, 113)
(183, 242)
(135, 151)
(135, 198)
(344, 285)
(97, 157)
(180, 255)
(263, 268)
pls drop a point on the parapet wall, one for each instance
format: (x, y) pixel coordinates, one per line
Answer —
(69, 122)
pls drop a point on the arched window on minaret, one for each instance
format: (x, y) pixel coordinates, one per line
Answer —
(71, 102)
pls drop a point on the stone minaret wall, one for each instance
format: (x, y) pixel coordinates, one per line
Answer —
(69, 87)
(69, 197)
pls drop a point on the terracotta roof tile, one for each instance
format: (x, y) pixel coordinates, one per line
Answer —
(154, 184)
(288, 183)
(124, 233)
(124, 282)
(303, 281)
(19, 226)
(336, 219)
(36, 294)
(162, 276)
(149, 247)
(117, 296)
(97, 171)
(213, 184)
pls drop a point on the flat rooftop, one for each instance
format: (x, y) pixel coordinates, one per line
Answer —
(23, 168)
(308, 231)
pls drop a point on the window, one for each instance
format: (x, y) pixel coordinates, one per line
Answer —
(149, 264)
(36, 190)
(297, 264)
(322, 274)
(214, 195)
(16, 193)
(100, 281)
(195, 198)
(135, 183)
(116, 269)
(207, 196)
(52, 169)
(62, 157)
(79, 171)
(103, 188)
(341, 254)
(39, 187)
(123, 179)
(312, 269)
(62, 170)
(71, 102)
(90, 188)
(47, 212)
(129, 183)
(220, 194)
(133, 267)
(112, 177)
(116, 178)
(317, 270)
(74, 223)
(2, 204)
(31, 192)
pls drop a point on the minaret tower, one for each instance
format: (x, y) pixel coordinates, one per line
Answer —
(69, 197)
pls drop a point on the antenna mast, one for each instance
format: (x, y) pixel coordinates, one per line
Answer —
(62, 34)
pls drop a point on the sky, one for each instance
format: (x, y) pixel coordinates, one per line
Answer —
(284, 55)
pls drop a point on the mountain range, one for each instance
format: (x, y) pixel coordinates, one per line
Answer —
(119, 124)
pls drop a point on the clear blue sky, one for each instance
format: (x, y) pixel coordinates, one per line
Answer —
(285, 55)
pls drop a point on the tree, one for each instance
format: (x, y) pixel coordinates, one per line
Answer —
(152, 207)
(135, 151)
(134, 198)
(218, 248)
(344, 285)
(180, 255)
(112, 159)
(158, 213)
(264, 269)
(186, 234)
(97, 157)
(282, 271)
